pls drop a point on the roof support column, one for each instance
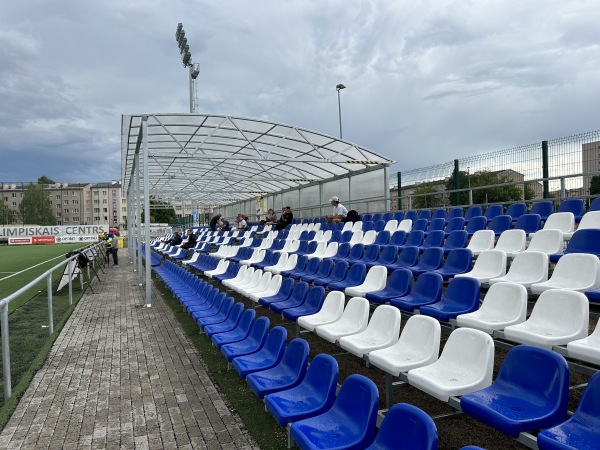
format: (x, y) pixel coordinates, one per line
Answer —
(138, 216)
(147, 213)
(386, 190)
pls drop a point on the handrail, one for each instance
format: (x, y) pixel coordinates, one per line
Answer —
(4, 312)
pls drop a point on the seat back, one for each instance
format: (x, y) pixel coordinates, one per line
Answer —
(500, 223)
(376, 217)
(575, 269)
(462, 292)
(315, 298)
(259, 331)
(422, 335)
(378, 226)
(516, 210)
(481, 240)
(471, 350)
(475, 224)
(436, 224)
(325, 268)
(564, 221)
(432, 257)
(339, 271)
(356, 237)
(457, 239)
(385, 323)
(590, 219)
(358, 401)
(595, 205)
(406, 427)
(424, 214)
(356, 253)
(414, 238)
(333, 305)
(357, 226)
(428, 286)
(386, 216)
(490, 262)
(356, 312)
(343, 250)
(584, 241)
(434, 239)
(528, 265)
(574, 205)
(493, 211)
(544, 208)
(512, 241)
(388, 254)
(456, 223)
(472, 212)
(456, 211)
(356, 274)
(383, 237)
(400, 280)
(369, 237)
(546, 241)
(322, 377)
(399, 216)
(366, 217)
(391, 226)
(405, 225)
(567, 310)
(459, 260)
(398, 238)
(530, 223)
(376, 277)
(295, 357)
(411, 215)
(409, 256)
(439, 213)
(420, 224)
(371, 253)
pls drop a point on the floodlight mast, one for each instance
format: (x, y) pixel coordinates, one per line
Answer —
(186, 60)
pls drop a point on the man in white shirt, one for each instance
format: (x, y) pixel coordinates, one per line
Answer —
(339, 211)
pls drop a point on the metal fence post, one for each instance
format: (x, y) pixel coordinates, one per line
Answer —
(399, 191)
(5, 352)
(457, 182)
(70, 264)
(545, 168)
(50, 318)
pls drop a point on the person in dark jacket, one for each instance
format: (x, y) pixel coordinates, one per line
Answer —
(214, 222)
(191, 240)
(286, 218)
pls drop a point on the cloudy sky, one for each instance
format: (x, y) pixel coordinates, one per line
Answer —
(427, 81)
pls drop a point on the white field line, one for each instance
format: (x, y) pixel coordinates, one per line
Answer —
(13, 274)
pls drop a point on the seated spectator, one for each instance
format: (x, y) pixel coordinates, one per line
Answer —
(286, 219)
(214, 222)
(191, 240)
(339, 211)
(176, 239)
(241, 223)
(224, 225)
(271, 217)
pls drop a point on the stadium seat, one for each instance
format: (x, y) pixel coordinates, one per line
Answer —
(586, 349)
(574, 271)
(456, 211)
(399, 216)
(459, 260)
(355, 276)
(408, 256)
(504, 304)
(433, 239)
(386, 257)
(582, 430)
(383, 238)
(391, 226)
(454, 224)
(238, 333)
(489, 264)
(546, 241)
(313, 396)
(511, 242)
(420, 225)
(573, 205)
(589, 220)
(331, 310)
(582, 241)
(558, 317)
(427, 289)
(382, 331)
(473, 211)
(286, 262)
(323, 271)
(374, 281)
(397, 285)
(431, 259)
(526, 269)
(493, 211)
(296, 298)
(530, 223)
(411, 215)
(228, 324)
(251, 344)
(460, 297)
(594, 205)
(480, 241)
(413, 239)
(287, 285)
(435, 225)
(564, 221)
(370, 254)
(475, 224)
(544, 208)
(338, 273)
(456, 239)
(268, 356)
(439, 213)
(312, 304)
(500, 224)
(353, 320)
(530, 392)
(516, 210)
(342, 252)
(348, 424)
(405, 225)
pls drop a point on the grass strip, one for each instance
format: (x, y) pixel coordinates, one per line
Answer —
(260, 424)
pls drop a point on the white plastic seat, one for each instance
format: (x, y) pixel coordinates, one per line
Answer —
(347, 227)
(405, 225)
(356, 238)
(280, 263)
(331, 311)
(271, 289)
(248, 283)
(418, 346)
(481, 240)
(465, 365)
(574, 271)
(289, 264)
(246, 242)
(193, 259)
(590, 219)
(221, 268)
(586, 349)
(382, 331)
(318, 237)
(546, 241)
(558, 317)
(257, 256)
(317, 226)
(265, 244)
(512, 242)
(391, 226)
(285, 247)
(354, 320)
(295, 245)
(489, 264)
(243, 272)
(357, 226)
(563, 221)
(504, 304)
(319, 251)
(326, 237)
(526, 269)
(330, 251)
(369, 237)
(375, 280)
(262, 284)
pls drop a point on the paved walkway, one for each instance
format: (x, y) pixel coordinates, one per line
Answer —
(123, 376)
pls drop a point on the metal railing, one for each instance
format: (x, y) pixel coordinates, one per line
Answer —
(47, 275)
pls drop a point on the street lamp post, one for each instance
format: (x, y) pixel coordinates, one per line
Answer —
(186, 60)
(338, 88)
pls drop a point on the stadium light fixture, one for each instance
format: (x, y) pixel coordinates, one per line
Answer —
(187, 61)
(338, 88)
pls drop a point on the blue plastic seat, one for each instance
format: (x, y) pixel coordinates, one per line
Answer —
(376, 217)
(582, 430)
(595, 205)
(210, 311)
(473, 211)
(431, 259)
(366, 226)
(427, 289)
(516, 210)
(251, 344)
(454, 212)
(544, 208)
(413, 239)
(268, 356)
(387, 216)
(408, 256)
(311, 267)
(500, 223)
(303, 245)
(370, 254)
(287, 285)
(439, 213)
(433, 239)
(299, 268)
(342, 252)
(235, 313)
(336, 235)
(296, 298)
(270, 259)
(454, 224)
(324, 270)
(420, 225)
(312, 304)
(220, 316)
(475, 224)
(355, 276)
(435, 225)
(287, 374)
(383, 238)
(348, 424)
(456, 239)
(493, 211)
(366, 217)
(412, 215)
(459, 260)
(573, 205)
(238, 333)
(312, 397)
(387, 256)
(530, 223)
(338, 273)
(406, 427)
(310, 248)
(398, 284)
(378, 225)
(462, 296)
(424, 214)
(346, 236)
(530, 392)
(356, 253)
(399, 216)
(398, 238)
(582, 241)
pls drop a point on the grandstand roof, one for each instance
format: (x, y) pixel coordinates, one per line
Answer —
(218, 160)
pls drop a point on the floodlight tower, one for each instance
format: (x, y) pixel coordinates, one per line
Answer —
(186, 59)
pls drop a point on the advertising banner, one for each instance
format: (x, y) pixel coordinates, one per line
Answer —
(41, 240)
(75, 239)
(19, 241)
(59, 230)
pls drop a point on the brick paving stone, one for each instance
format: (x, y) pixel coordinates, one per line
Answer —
(123, 376)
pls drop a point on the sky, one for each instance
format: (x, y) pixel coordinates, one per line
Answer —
(427, 81)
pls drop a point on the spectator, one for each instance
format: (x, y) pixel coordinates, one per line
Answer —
(271, 217)
(213, 222)
(241, 223)
(176, 239)
(339, 211)
(114, 248)
(191, 240)
(224, 225)
(286, 219)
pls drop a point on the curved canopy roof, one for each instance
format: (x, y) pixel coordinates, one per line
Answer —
(216, 160)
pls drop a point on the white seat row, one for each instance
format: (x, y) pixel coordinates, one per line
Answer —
(513, 242)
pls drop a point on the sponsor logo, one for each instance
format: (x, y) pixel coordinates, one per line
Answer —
(42, 240)
(19, 241)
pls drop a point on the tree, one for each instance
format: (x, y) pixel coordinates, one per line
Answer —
(45, 180)
(489, 195)
(36, 207)
(7, 215)
(426, 201)
(595, 185)
(161, 212)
